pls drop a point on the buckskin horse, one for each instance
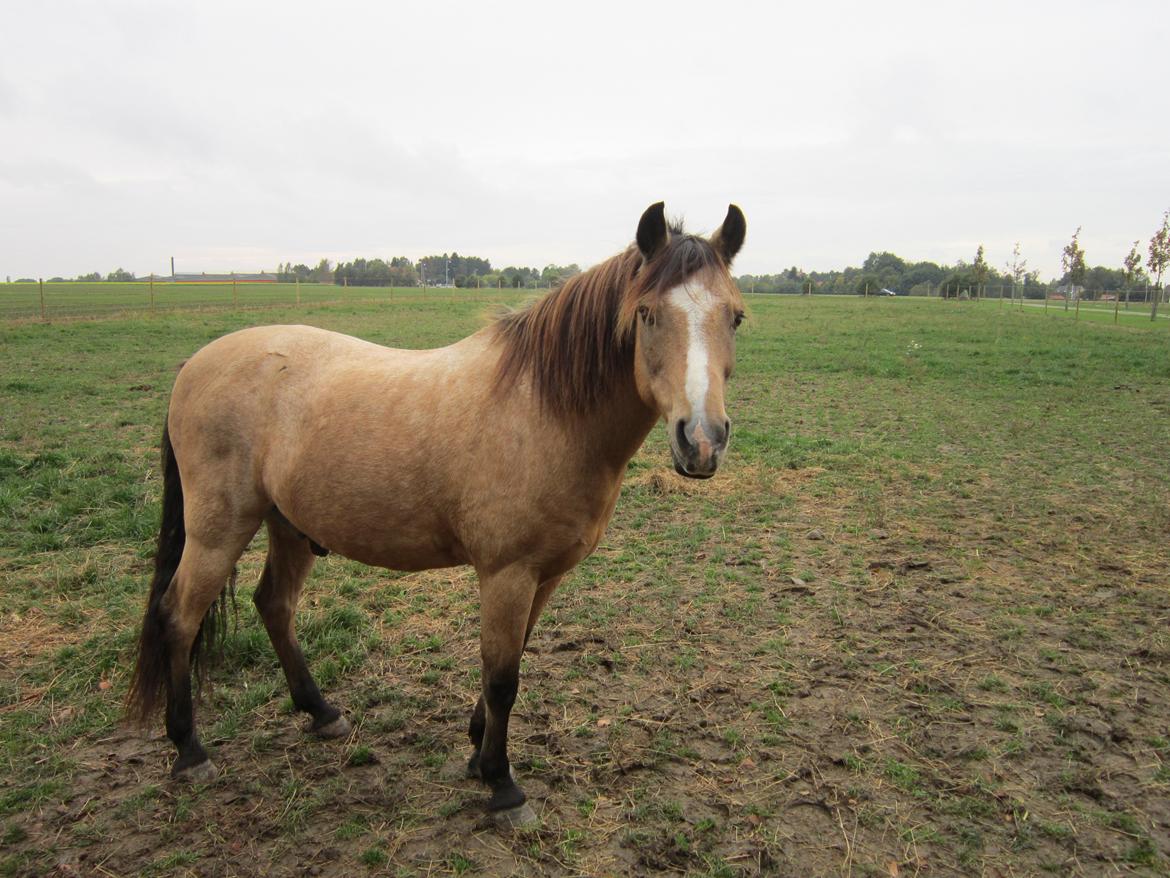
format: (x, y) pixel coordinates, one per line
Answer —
(505, 451)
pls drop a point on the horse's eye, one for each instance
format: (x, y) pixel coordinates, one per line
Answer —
(646, 316)
(738, 320)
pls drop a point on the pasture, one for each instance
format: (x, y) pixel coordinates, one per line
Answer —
(916, 625)
(70, 299)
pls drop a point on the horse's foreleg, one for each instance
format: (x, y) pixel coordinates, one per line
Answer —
(478, 715)
(290, 558)
(506, 600)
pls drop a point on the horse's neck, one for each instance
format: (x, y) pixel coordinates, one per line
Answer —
(613, 433)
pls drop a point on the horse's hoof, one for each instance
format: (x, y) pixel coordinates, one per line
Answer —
(202, 772)
(520, 817)
(338, 728)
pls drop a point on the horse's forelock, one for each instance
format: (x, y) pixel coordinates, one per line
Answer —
(682, 259)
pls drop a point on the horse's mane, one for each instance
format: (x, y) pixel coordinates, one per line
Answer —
(575, 343)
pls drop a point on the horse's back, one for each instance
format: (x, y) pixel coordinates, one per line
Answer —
(346, 438)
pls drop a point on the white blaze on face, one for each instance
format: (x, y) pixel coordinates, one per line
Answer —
(696, 303)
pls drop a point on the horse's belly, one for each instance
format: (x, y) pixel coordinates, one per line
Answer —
(397, 545)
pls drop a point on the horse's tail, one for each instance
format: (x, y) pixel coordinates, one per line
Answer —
(153, 666)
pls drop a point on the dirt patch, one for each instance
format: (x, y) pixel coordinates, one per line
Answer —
(875, 718)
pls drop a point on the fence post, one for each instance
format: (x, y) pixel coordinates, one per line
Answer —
(235, 294)
(42, 285)
(152, 291)
(298, 292)
(1116, 305)
(1078, 308)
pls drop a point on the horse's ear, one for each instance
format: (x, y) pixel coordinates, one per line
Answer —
(652, 232)
(729, 238)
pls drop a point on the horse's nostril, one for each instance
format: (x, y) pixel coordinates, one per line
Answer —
(680, 432)
(727, 430)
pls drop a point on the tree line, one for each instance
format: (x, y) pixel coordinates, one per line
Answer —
(884, 270)
(881, 270)
(445, 269)
(887, 271)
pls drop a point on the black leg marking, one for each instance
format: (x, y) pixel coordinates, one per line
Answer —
(181, 724)
(475, 732)
(499, 696)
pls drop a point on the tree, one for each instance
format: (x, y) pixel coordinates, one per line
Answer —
(558, 274)
(1133, 265)
(1072, 260)
(885, 269)
(921, 274)
(979, 271)
(960, 284)
(323, 273)
(93, 276)
(868, 285)
(120, 274)
(447, 268)
(1159, 259)
(402, 272)
(1017, 270)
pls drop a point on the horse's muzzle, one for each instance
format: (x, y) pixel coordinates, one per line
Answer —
(697, 447)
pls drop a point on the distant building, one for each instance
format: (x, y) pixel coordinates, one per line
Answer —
(206, 277)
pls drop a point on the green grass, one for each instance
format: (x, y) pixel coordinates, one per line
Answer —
(69, 299)
(987, 590)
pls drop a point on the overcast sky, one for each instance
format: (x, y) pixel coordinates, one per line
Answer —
(237, 135)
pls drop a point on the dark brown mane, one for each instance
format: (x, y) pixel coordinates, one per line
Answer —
(577, 342)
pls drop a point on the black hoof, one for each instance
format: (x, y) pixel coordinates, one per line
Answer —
(506, 796)
(473, 767)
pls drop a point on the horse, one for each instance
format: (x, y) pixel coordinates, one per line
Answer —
(504, 451)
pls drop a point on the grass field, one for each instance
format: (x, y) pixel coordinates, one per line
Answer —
(919, 624)
(70, 300)
(22, 301)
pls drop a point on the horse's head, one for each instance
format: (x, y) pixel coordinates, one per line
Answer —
(688, 308)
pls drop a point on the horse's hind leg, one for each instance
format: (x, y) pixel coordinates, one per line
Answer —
(290, 558)
(201, 577)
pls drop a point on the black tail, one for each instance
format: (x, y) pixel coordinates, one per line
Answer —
(151, 672)
(153, 667)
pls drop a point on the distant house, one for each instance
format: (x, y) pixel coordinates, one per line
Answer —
(261, 277)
